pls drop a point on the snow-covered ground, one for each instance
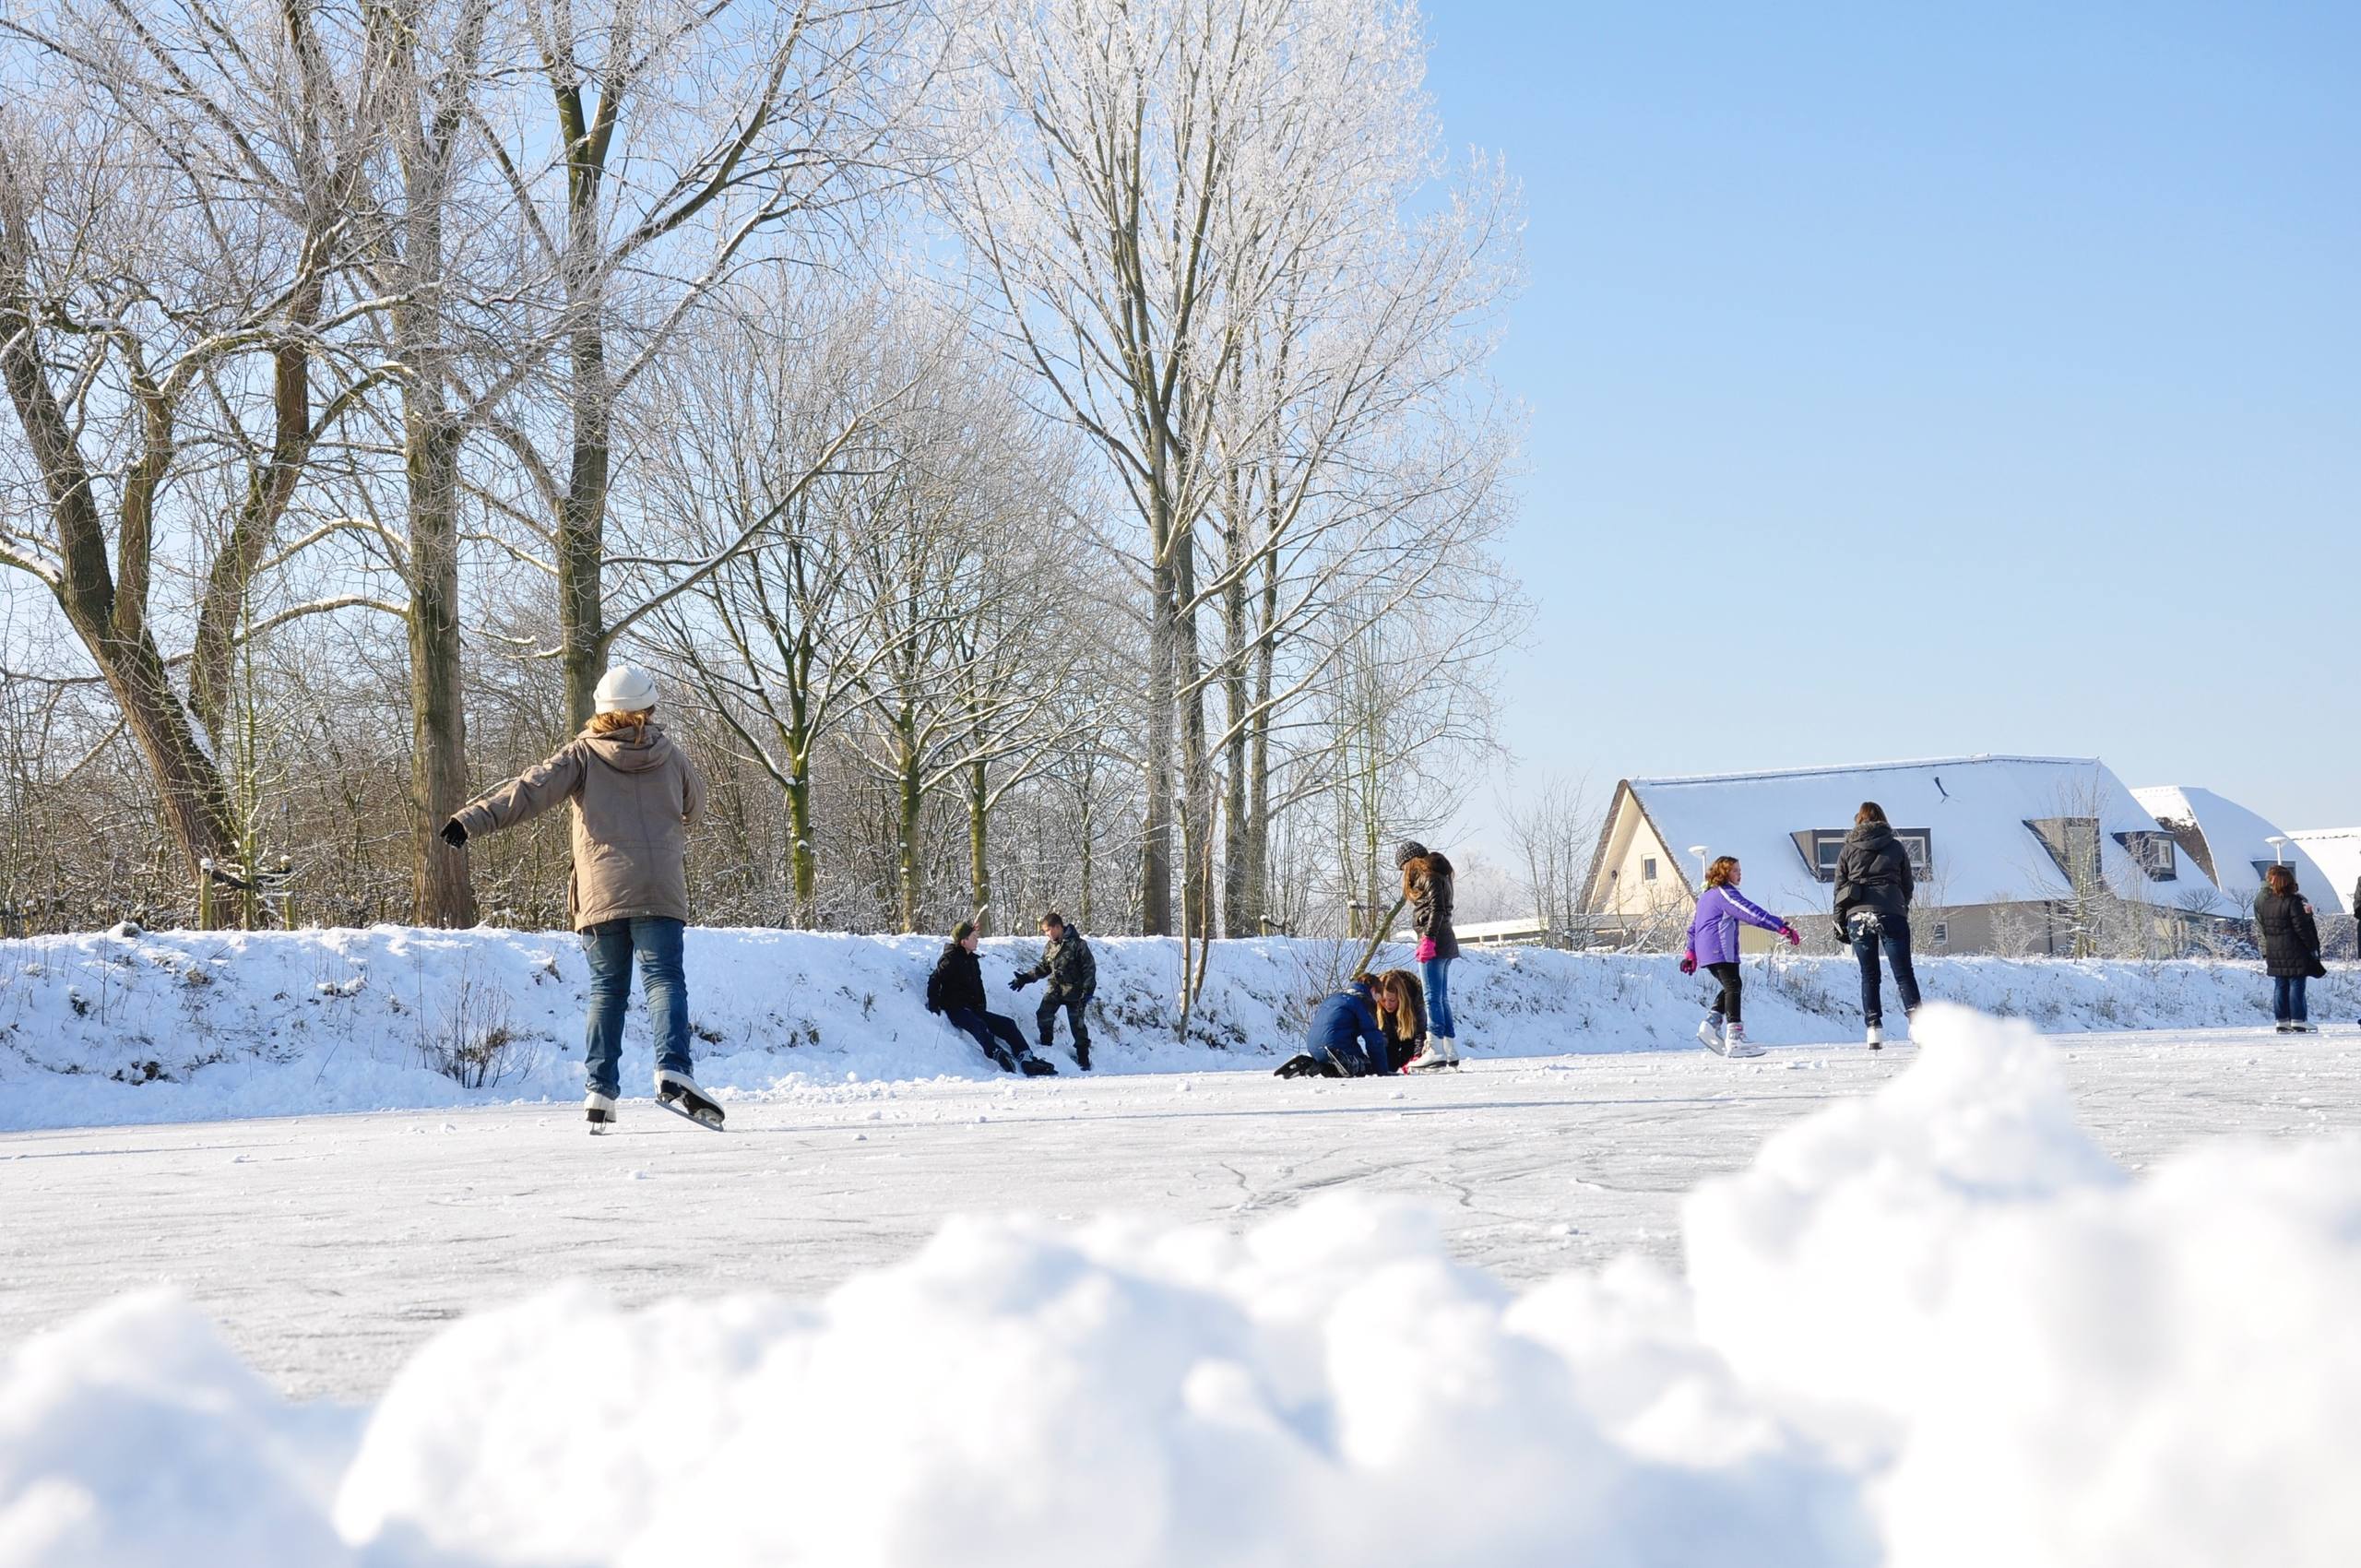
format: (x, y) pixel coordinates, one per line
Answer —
(180, 1027)
(1995, 1299)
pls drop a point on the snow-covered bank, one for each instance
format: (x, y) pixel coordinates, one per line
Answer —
(1932, 1326)
(104, 1028)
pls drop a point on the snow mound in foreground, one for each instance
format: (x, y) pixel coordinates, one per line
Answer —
(1932, 1327)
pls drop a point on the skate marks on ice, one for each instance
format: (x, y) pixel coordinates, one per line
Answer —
(326, 1247)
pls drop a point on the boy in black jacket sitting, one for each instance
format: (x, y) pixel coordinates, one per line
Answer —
(955, 989)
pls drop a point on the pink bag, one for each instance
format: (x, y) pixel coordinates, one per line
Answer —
(1426, 950)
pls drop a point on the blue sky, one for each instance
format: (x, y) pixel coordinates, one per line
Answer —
(1907, 382)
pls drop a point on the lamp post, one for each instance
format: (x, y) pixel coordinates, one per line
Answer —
(2278, 842)
(1700, 851)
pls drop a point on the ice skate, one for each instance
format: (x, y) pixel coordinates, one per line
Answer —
(600, 1111)
(1709, 1033)
(1735, 1043)
(1433, 1056)
(1876, 1037)
(678, 1093)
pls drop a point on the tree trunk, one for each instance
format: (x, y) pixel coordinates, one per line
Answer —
(799, 820)
(581, 529)
(1239, 905)
(114, 629)
(980, 871)
(1197, 806)
(1155, 849)
(911, 798)
(443, 895)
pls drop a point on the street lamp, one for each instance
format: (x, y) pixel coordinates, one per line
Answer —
(1700, 851)
(2278, 842)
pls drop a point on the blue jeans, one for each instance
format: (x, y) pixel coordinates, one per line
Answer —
(1435, 975)
(611, 946)
(1869, 933)
(2287, 999)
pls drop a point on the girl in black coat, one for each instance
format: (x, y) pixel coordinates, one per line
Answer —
(2290, 938)
(1873, 888)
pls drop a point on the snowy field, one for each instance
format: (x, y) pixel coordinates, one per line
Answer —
(2084, 1300)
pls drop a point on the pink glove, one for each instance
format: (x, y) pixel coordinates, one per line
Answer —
(1426, 950)
(1795, 938)
(1689, 963)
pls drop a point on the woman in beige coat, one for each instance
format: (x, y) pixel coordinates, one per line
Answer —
(635, 794)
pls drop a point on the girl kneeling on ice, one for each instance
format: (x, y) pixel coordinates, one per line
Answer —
(1713, 943)
(635, 794)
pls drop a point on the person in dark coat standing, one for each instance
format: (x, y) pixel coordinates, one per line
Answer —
(1873, 888)
(1072, 975)
(956, 991)
(1427, 888)
(1344, 1041)
(2289, 935)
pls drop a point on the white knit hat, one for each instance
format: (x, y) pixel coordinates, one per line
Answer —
(626, 688)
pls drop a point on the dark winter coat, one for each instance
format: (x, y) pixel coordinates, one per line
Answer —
(1345, 1026)
(2289, 936)
(957, 981)
(1426, 885)
(1073, 973)
(1873, 874)
(634, 795)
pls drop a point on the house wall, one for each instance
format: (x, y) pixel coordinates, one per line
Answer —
(1625, 889)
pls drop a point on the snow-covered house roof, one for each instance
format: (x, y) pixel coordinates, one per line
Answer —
(2337, 853)
(2229, 843)
(1984, 829)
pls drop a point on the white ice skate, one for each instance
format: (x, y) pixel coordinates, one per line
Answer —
(678, 1093)
(1434, 1056)
(1735, 1043)
(1709, 1033)
(600, 1111)
(1876, 1037)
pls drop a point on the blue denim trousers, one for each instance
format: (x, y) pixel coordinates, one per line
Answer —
(2287, 999)
(611, 946)
(1435, 975)
(1869, 933)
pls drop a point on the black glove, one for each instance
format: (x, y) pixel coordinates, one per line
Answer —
(1016, 982)
(455, 835)
(1842, 940)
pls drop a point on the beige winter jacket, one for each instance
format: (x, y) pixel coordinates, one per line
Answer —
(635, 794)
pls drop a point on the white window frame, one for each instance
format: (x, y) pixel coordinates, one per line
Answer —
(1647, 868)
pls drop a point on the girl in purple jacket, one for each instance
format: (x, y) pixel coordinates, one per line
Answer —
(1712, 942)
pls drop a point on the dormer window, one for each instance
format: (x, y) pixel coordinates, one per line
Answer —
(1821, 846)
(2153, 853)
(2072, 843)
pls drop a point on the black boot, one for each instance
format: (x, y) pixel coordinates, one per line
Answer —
(1082, 1054)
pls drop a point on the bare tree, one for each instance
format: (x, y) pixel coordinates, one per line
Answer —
(1552, 832)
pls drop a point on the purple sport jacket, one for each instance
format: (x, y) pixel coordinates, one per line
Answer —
(1713, 929)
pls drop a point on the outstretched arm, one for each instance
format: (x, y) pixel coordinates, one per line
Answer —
(525, 797)
(1753, 913)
